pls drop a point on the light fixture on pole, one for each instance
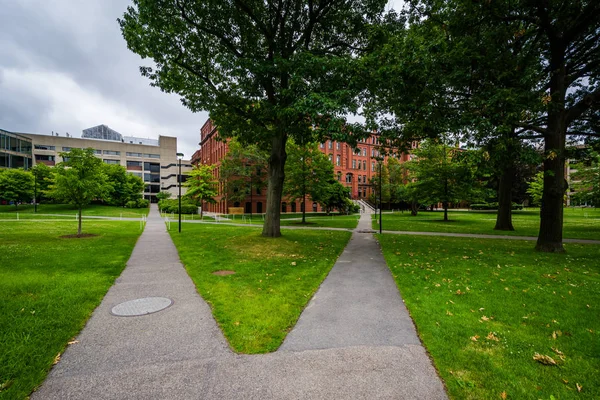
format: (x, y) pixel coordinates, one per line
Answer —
(179, 157)
(380, 191)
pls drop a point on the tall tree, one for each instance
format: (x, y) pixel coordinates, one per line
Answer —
(16, 185)
(79, 180)
(122, 186)
(442, 175)
(265, 71)
(202, 185)
(307, 172)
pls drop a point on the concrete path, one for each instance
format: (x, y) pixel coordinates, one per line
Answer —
(484, 236)
(180, 353)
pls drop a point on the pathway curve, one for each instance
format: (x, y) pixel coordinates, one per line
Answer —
(180, 353)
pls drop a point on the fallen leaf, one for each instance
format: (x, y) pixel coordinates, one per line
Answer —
(294, 263)
(458, 292)
(56, 359)
(579, 387)
(493, 337)
(474, 338)
(448, 313)
(544, 359)
(484, 318)
(73, 341)
(503, 395)
(557, 351)
(565, 381)
(481, 309)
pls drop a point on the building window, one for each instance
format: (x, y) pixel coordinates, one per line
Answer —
(44, 147)
(66, 149)
(97, 152)
(337, 145)
(348, 178)
(152, 155)
(339, 176)
(322, 145)
(314, 207)
(283, 207)
(331, 157)
(113, 162)
(134, 154)
(353, 164)
(41, 157)
(337, 160)
(112, 153)
(373, 166)
(294, 207)
(330, 144)
(359, 179)
(365, 165)
(134, 165)
(365, 178)
(152, 167)
(154, 178)
(364, 151)
(372, 153)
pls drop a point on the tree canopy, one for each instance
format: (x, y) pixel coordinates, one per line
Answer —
(16, 185)
(265, 71)
(201, 185)
(79, 180)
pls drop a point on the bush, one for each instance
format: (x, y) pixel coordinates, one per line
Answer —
(172, 206)
(139, 203)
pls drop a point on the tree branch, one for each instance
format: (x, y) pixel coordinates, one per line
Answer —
(583, 105)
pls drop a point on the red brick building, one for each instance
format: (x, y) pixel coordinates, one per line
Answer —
(353, 169)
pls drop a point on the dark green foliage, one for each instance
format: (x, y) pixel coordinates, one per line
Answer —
(243, 168)
(44, 177)
(172, 206)
(163, 195)
(16, 186)
(493, 206)
(122, 186)
(139, 203)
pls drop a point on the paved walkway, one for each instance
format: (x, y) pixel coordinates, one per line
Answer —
(366, 349)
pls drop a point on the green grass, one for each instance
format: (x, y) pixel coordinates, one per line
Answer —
(48, 289)
(27, 211)
(459, 289)
(274, 279)
(578, 223)
(313, 220)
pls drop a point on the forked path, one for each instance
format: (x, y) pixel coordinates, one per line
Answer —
(354, 340)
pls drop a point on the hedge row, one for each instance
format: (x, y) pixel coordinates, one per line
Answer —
(493, 206)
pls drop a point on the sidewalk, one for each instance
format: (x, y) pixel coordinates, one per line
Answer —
(180, 353)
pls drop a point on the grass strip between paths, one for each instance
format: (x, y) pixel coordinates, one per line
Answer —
(485, 308)
(49, 287)
(27, 211)
(274, 278)
(579, 223)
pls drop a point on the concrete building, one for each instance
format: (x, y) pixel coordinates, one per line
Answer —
(15, 150)
(354, 169)
(155, 161)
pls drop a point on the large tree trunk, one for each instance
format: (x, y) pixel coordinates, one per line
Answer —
(551, 214)
(79, 224)
(504, 217)
(272, 225)
(414, 208)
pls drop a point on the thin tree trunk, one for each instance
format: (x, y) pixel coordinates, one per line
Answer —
(504, 217)
(79, 224)
(445, 205)
(414, 208)
(272, 225)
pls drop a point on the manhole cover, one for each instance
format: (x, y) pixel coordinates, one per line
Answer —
(223, 272)
(146, 305)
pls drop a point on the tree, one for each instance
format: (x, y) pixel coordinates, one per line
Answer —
(558, 44)
(122, 186)
(43, 177)
(242, 171)
(202, 185)
(441, 175)
(536, 188)
(16, 185)
(307, 172)
(79, 180)
(586, 181)
(334, 195)
(265, 71)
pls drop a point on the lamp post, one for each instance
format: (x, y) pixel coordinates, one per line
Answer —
(179, 157)
(34, 190)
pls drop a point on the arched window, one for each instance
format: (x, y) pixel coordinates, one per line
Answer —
(294, 207)
(339, 176)
(337, 160)
(314, 207)
(283, 207)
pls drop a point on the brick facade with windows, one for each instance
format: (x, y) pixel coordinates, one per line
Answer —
(354, 168)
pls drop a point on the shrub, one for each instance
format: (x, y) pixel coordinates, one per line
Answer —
(493, 206)
(139, 203)
(172, 206)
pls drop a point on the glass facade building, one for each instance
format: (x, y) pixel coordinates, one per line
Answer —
(102, 132)
(15, 150)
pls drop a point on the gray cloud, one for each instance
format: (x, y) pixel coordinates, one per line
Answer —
(64, 67)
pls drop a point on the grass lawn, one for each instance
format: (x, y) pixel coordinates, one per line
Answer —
(484, 308)
(49, 287)
(26, 211)
(578, 223)
(274, 279)
(312, 220)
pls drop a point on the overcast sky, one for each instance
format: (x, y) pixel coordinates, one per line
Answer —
(64, 67)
